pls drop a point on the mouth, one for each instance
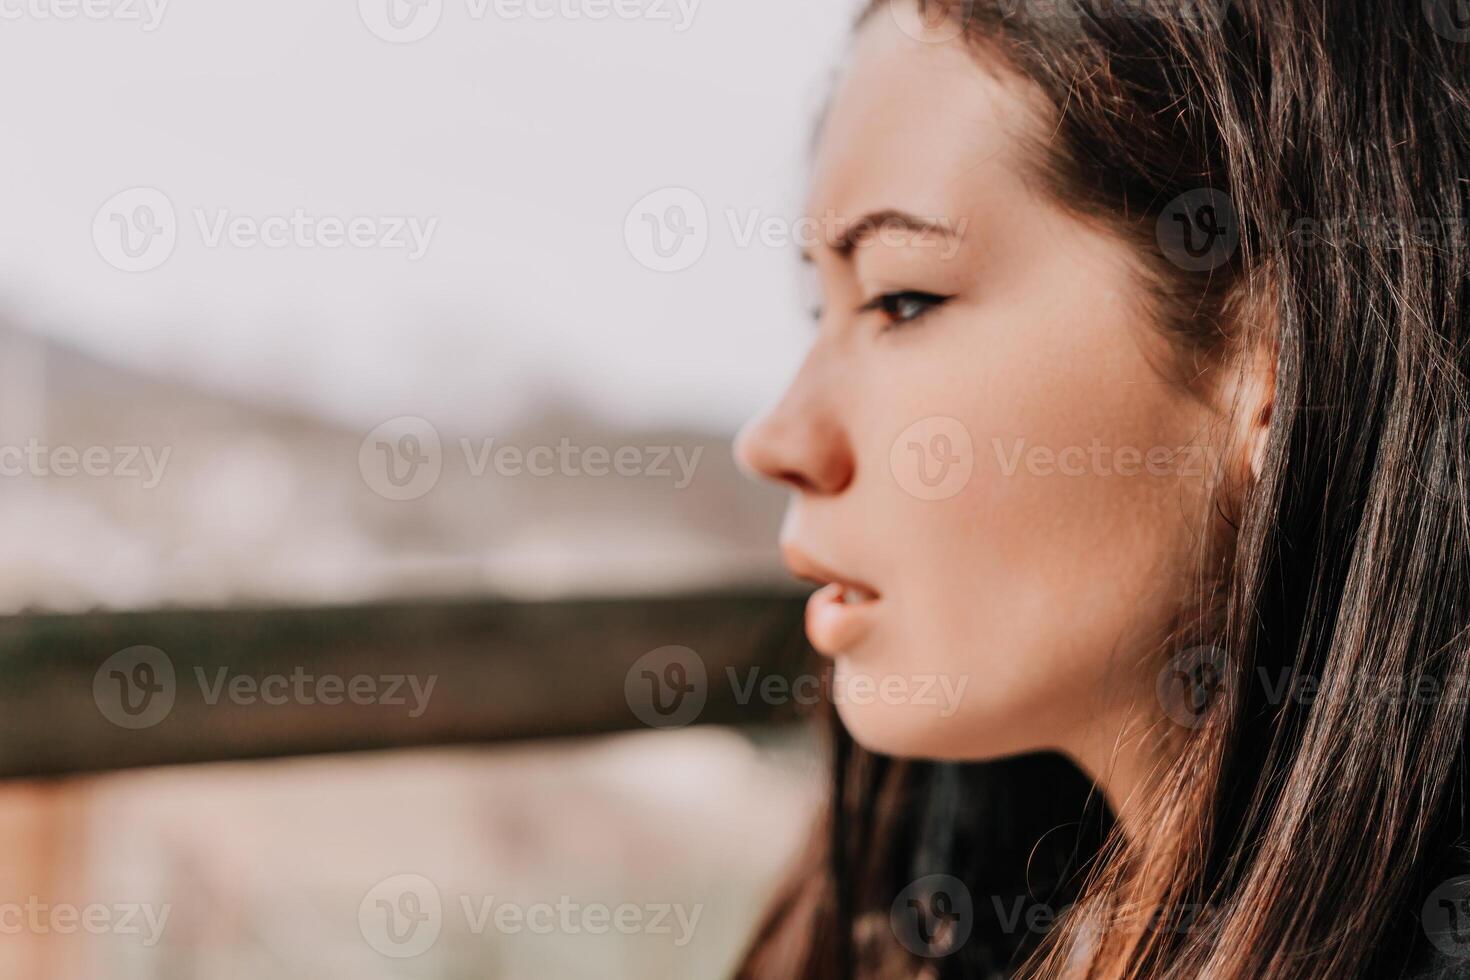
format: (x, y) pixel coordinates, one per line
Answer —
(841, 613)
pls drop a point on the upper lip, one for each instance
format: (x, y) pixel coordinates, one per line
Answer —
(804, 566)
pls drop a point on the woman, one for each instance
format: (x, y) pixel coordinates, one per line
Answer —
(1135, 418)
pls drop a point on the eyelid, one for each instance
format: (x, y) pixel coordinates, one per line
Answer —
(877, 301)
(933, 301)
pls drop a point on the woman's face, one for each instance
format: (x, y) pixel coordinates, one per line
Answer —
(988, 457)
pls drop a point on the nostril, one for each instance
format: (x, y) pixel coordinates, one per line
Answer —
(832, 470)
(797, 481)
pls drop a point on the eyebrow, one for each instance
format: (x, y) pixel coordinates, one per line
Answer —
(860, 231)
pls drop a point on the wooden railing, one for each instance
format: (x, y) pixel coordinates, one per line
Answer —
(90, 693)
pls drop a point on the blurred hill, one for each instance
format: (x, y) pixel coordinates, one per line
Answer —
(208, 499)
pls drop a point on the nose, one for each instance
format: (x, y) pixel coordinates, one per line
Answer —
(802, 442)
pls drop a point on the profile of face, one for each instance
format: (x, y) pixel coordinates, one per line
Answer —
(996, 474)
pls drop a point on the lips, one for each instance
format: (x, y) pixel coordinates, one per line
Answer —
(841, 613)
(836, 620)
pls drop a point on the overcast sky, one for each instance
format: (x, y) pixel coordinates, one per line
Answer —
(496, 160)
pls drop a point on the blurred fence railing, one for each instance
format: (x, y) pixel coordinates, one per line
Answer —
(116, 690)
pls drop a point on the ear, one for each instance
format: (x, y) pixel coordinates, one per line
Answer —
(1252, 407)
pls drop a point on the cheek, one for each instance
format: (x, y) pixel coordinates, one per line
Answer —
(1043, 518)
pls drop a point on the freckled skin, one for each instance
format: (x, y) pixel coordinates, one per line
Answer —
(1046, 593)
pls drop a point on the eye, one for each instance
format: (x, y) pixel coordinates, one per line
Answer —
(903, 307)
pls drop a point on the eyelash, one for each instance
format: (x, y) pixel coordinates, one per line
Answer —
(883, 303)
(887, 302)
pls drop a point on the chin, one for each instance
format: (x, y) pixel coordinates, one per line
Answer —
(933, 719)
(906, 730)
(875, 730)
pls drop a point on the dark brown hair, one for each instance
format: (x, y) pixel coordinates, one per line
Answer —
(1290, 836)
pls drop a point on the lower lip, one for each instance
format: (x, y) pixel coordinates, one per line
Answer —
(835, 626)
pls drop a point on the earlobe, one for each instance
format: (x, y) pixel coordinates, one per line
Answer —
(1260, 436)
(1256, 407)
(1247, 403)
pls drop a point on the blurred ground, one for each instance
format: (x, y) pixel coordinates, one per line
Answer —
(261, 871)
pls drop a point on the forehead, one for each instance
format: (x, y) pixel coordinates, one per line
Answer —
(926, 126)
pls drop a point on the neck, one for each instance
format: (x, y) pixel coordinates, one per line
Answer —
(1116, 752)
